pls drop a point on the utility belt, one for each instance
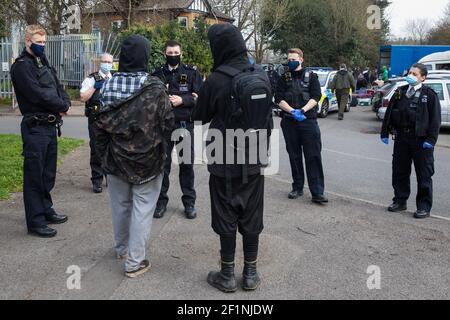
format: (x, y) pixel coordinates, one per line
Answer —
(405, 132)
(43, 119)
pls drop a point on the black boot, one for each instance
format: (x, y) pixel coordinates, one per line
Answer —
(223, 280)
(251, 278)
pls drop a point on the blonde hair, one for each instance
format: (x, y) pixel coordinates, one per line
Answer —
(33, 29)
(297, 51)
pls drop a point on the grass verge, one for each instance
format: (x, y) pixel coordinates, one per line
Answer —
(11, 161)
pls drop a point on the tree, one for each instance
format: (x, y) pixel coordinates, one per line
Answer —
(418, 29)
(440, 33)
(195, 43)
(266, 19)
(243, 11)
(50, 14)
(331, 32)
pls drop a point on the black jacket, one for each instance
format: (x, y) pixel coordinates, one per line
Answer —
(228, 48)
(428, 116)
(37, 87)
(131, 133)
(182, 82)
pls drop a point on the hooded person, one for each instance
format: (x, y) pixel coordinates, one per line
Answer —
(135, 119)
(236, 205)
(342, 83)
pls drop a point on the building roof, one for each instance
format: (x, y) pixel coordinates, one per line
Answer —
(160, 5)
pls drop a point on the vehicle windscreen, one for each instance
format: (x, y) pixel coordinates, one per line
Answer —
(323, 79)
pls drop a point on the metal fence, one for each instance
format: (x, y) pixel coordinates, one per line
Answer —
(5, 63)
(73, 56)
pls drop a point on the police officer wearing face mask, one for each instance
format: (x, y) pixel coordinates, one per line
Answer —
(298, 93)
(414, 118)
(42, 102)
(184, 83)
(90, 94)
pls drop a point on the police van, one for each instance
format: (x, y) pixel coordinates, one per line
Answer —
(328, 101)
(437, 61)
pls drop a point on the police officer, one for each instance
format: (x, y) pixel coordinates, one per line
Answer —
(90, 94)
(297, 94)
(42, 102)
(184, 83)
(414, 118)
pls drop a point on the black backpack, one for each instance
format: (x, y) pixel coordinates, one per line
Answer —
(251, 98)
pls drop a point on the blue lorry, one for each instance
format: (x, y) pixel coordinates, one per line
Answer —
(398, 58)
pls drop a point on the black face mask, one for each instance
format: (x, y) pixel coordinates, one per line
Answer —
(173, 61)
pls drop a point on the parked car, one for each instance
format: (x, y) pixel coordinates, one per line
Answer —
(363, 97)
(328, 101)
(439, 84)
(380, 98)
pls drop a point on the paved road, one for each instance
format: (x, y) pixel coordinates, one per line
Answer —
(306, 251)
(356, 164)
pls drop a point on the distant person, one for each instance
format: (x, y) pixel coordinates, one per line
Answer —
(385, 76)
(134, 122)
(361, 83)
(42, 102)
(90, 94)
(273, 76)
(414, 118)
(342, 83)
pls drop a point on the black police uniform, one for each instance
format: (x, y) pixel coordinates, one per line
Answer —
(41, 99)
(297, 88)
(182, 82)
(92, 106)
(413, 121)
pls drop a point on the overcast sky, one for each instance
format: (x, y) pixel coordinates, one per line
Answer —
(401, 11)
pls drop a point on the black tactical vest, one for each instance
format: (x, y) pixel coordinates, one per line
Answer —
(404, 112)
(298, 92)
(93, 103)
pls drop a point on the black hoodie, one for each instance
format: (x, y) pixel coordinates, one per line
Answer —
(228, 48)
(134, 54)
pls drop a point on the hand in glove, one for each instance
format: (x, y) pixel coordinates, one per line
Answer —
(298, 115)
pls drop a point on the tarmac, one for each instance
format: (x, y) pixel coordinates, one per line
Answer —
(307, 251)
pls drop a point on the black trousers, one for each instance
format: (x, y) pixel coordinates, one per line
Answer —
(304, 138)
(40, 151)
(408, 149)
(186, 175)
(95, 160)
(242, 212)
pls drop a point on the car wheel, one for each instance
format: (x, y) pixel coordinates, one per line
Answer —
(325, 108)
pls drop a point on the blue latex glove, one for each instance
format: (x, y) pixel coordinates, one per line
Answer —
(427, 145)
(298, 115)
(98, 84)
(385, 140)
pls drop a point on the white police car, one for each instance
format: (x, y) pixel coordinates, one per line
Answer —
(328, 101)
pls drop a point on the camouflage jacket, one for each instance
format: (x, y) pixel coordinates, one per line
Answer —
(131, 133)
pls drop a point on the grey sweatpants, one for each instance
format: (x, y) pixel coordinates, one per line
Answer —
(133, 207)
